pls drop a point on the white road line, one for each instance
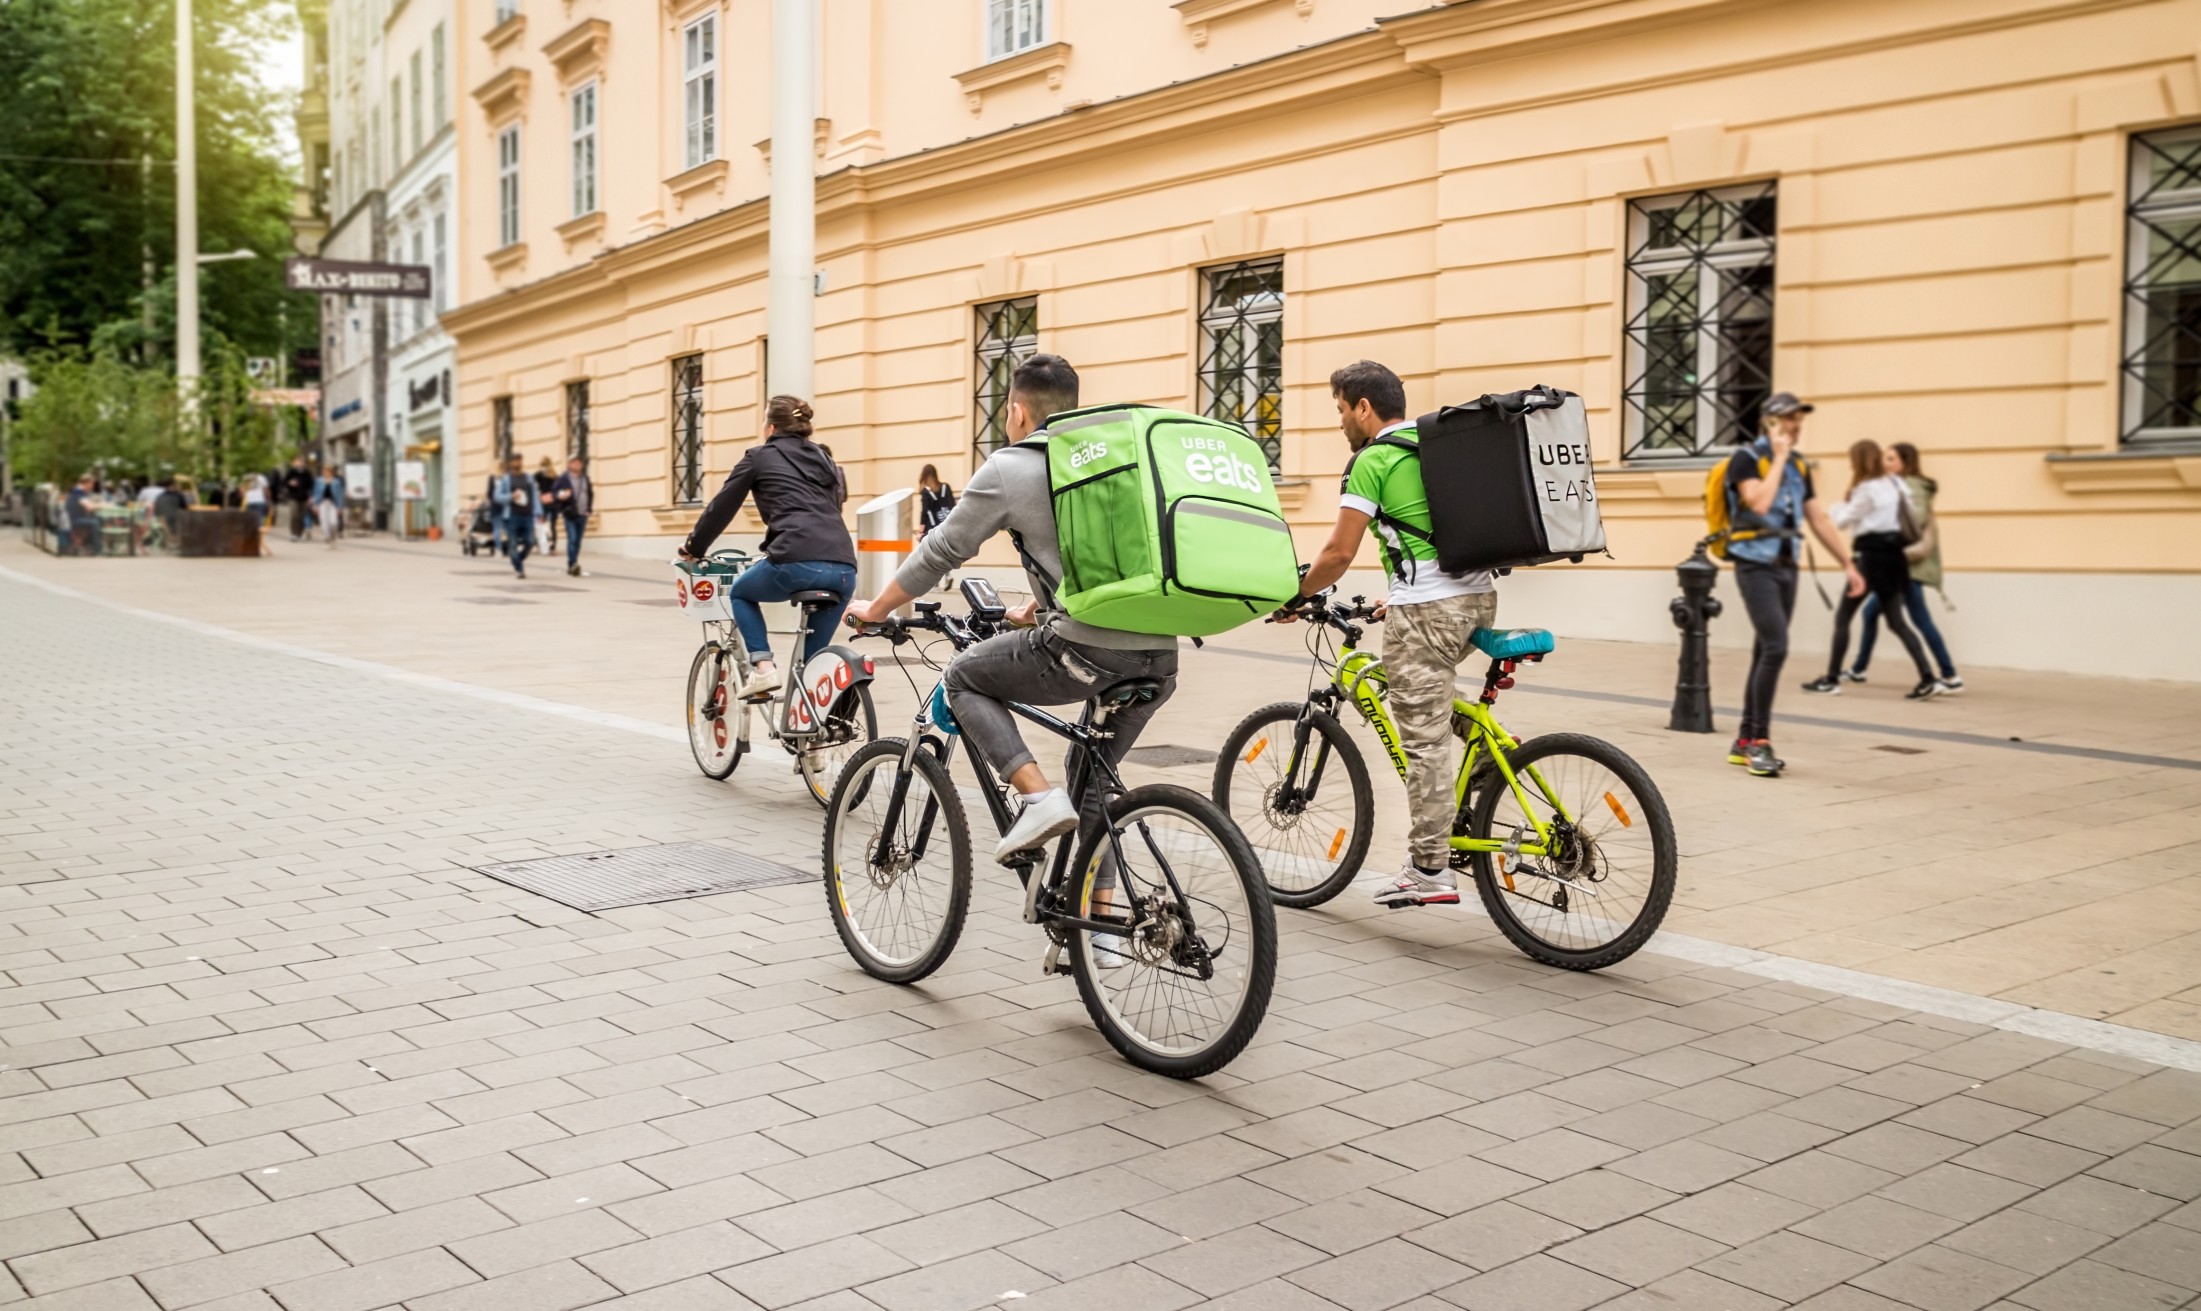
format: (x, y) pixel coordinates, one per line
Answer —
(2055, 1026)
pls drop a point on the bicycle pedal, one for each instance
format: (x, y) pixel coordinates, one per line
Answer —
(1053, 965)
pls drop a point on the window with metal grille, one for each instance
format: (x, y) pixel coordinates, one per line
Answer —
(1014, 25)
(500, 429)
(1008, 335)
(584, 149)
(508, 186)
(577, 421)
(699, 73)
(1242, 349)
(688, 430)
(2162, 364)
(1700, 319)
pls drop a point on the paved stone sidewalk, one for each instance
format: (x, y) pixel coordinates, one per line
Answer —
(268, 1042)
(2010, 870)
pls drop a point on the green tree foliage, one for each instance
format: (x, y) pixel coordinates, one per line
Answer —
(95, 414)
(95, 80)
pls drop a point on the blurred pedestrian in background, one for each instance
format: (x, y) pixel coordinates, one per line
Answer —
(517, 502)
(1876, 513)
(934, 500)
(1924, 556)
(298, 490)
(546, 481)
(328, 504)
(571, 499)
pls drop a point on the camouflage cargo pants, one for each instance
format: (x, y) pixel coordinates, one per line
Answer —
(1423, 645)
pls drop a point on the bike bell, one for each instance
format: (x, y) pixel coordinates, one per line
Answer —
(942, 717)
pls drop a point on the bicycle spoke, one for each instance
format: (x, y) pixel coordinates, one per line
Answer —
(897, 908)
(1157, 993)
(1604, 882)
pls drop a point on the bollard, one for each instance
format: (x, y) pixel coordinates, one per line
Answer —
(882, 539)
(1692, 611)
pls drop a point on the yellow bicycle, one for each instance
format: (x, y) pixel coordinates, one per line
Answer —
(1570, 844)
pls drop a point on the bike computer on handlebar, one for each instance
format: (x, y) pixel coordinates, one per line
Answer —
(986, 603)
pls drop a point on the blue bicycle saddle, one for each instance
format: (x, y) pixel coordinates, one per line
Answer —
(1513, 643)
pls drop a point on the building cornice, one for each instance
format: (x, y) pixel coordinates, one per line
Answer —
(1046, 61)
(1196, 15)
(1359, 62)
(580, 51)
(506, 32)
(504, 96)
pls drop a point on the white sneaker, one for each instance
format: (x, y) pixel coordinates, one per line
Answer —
(1046, 816)
(759, 686)
(1414, 888)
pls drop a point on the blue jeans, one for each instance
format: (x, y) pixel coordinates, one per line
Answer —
(1914, 603)
(574, 524)
(520, 539)
(766, 581)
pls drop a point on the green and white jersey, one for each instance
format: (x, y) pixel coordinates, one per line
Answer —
(1384, 482)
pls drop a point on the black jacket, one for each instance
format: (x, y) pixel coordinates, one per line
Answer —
(799, 491)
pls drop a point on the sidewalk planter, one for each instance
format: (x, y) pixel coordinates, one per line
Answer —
(219, 533)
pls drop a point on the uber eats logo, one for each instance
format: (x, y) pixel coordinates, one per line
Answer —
(1210, 460)
(1086, 454)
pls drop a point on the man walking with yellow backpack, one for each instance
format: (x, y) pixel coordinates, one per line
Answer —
(1756, 505)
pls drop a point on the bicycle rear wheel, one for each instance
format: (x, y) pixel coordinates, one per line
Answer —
(850, 725)
(1602, 895)
(898, 910)
(1180, 995)
(718, 724)
(1307, 813)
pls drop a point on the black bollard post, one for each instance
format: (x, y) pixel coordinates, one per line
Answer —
(1692, 610)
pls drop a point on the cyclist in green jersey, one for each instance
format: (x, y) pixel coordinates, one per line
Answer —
(1429, 616)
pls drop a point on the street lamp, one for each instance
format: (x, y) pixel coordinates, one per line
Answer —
(187, 213)
(225, 257)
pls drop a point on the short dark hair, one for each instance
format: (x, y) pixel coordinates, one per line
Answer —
(1047, 385)
(1366, 380)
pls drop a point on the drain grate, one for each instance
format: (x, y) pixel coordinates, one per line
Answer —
(1164, 756)
(638, 876)
(1902, 751)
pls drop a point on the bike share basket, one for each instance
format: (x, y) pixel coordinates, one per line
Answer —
(701, 586)
(1509, 481)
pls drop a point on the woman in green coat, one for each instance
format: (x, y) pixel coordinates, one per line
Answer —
(1925, 561)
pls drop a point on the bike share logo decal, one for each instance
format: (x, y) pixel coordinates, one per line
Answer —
(680, 585)
(704, 589)
(1086, 454)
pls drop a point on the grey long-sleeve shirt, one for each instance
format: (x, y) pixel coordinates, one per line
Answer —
(1010, 492)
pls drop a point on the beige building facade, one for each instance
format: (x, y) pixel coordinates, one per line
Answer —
(1974, 225)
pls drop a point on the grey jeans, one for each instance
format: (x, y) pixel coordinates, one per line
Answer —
(1038, 668)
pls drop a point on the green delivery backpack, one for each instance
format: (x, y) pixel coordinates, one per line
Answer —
(1167, 522)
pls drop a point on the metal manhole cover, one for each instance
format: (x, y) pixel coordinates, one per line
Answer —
(491, 600)
(1165, 756)
(638, 876)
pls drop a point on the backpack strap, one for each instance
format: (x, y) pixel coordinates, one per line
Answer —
(1386, 519)
(1047, 582)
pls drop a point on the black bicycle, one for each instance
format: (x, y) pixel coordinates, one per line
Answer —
(1164, 913)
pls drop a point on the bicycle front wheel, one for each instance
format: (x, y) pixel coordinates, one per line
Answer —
(897, 890)
(850, 725)
(1308, 812)
(718, 723)
(1183, 991)
(1603, 890)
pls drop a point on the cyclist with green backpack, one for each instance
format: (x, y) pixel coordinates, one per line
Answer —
(1430, 616)
(1136, 526)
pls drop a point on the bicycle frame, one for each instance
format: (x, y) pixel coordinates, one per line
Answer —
(1360, 679)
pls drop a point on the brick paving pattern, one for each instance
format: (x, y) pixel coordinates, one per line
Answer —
(269, 1043)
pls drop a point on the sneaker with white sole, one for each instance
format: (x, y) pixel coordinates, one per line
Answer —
(1824, 686)
(760, 686)
(1414, 888)
(1951, 685)
(1046, 816)
(1853, 675)
(1926, 690)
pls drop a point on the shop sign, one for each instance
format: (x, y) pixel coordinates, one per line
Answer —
(358, 481)
(357, 278)
(412, 480)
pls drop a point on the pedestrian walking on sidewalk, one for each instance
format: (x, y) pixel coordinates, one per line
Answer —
(513, 493)
(571, 499)
(298, 490)
(328, 504)
(1924, 556)
(546, 480)
(1876, 511)
(799, 491)
(1771, 498)
(934, 500)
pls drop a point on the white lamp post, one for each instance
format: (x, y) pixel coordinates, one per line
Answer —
(791, 310)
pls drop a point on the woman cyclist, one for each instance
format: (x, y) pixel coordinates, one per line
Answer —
(799, 492)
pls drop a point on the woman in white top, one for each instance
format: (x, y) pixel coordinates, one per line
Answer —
(1873, 515)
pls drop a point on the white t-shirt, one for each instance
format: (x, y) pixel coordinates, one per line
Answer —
(149, 493)
(1872, 507)
(256, 490)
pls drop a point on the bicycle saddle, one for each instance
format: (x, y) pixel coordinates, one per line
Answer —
(816, 598)
(1136, 689)
(1513, 643)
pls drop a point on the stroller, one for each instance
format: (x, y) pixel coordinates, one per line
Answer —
(480, 537)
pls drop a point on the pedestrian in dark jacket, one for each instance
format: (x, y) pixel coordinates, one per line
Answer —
(298, 490)
(546, 481)
(572, 497)
(934, 500)
(517, 502)
(799, 492)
